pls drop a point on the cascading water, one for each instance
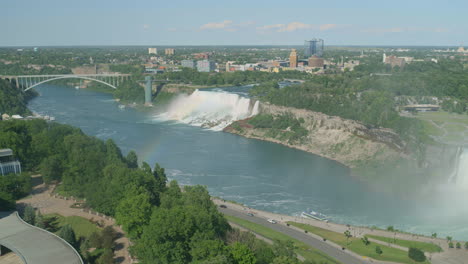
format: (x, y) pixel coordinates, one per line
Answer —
(462, 170)
(209, 109)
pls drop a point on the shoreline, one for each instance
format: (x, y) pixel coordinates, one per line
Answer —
(228, 129)
(358, 231)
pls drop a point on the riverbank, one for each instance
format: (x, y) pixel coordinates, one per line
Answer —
(448, 255)
(345, 141)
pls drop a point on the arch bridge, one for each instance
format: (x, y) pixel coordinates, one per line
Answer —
(27, 82)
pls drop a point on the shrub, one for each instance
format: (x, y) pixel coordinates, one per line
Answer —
(378, 250)
(416, 254)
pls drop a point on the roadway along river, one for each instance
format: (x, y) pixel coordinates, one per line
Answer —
(259, 174)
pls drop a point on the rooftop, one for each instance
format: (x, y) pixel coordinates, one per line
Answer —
(6, 152)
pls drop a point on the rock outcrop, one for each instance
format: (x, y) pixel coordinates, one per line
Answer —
(346, 141)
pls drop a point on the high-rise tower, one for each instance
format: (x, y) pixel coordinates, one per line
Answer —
(293, 59)
(313, 47)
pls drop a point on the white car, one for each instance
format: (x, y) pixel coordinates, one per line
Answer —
(272, 221)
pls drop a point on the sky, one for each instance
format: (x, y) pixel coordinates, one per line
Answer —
(233, 22)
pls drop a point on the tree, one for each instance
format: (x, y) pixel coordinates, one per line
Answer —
(458, 245)
(284, 248)
(207, 249)
(242, 254)
(51, 168)
(132, 160)
(39, 221)
(285, 260)
(365, 240)
(107, 257)
(416, 254)
(466, 245)
(390, 228)
(29, 215)
(134, 211)
(95, 240)
(347, 233)
(449, 238)
(378, 250)
(6, 201)
(67, 233)
(434, 235)
(450, 244)
(108, 236)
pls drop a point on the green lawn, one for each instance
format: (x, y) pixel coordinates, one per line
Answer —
(356, 245)
(82, 226)
(426, 247)
(303, 249)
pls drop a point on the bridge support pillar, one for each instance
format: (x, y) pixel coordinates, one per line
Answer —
(148, 90)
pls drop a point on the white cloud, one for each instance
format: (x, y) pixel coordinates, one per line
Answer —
(146, 26)
(217, 25)
(293, 26)
(171, 29)
(325, 27)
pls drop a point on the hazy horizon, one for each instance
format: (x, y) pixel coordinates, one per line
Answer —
(182, 22)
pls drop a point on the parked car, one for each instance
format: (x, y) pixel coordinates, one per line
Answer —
(223, 206)
(250, 214)
(272, 221)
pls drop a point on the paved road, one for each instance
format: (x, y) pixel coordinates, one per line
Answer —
(331, 251)
(34, 245)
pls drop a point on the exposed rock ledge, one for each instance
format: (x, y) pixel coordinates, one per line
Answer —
(346, 141)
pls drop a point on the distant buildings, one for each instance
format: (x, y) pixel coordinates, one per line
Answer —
(205, 66)
(231, 67)
(313, 47)
(316, 62)
(169, 51)
(8, 164)
(202, 55)
(461, 49)
(293, 59)
(152, 51)
(188, 63)
(394, 60)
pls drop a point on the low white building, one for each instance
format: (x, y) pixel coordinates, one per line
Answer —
(8, 164)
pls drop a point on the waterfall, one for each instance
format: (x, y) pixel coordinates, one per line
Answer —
(453, 176)
(210, 109)
(462, 170)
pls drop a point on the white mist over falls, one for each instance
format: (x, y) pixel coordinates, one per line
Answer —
(210, 109)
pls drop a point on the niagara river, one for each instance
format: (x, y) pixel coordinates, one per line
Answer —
(187, 141)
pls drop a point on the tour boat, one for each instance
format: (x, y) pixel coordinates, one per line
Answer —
(314, 215)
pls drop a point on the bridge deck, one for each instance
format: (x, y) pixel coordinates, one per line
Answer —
(34, 245)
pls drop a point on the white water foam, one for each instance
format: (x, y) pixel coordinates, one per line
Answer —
(462, 171)
(210, 109)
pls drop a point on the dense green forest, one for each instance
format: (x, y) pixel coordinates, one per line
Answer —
(192, 76)
(166, 224)
(12, 100)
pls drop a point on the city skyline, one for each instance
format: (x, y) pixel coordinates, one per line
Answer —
(184, 23)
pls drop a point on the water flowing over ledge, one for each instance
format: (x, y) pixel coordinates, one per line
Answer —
(210, 109)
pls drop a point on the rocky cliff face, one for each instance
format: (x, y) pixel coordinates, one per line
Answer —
(346, 141)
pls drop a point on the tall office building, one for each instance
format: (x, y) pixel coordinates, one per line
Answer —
(152, 51)
(169, 51)
(293, 59)
(205, 66)
(313, 47)
(188, 63)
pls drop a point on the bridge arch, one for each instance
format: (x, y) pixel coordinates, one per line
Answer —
(70, 77)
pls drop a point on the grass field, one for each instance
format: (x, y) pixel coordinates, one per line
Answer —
(426, 247)
(356, 245)
(82, 226)
(303, 249)
(446, 127)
